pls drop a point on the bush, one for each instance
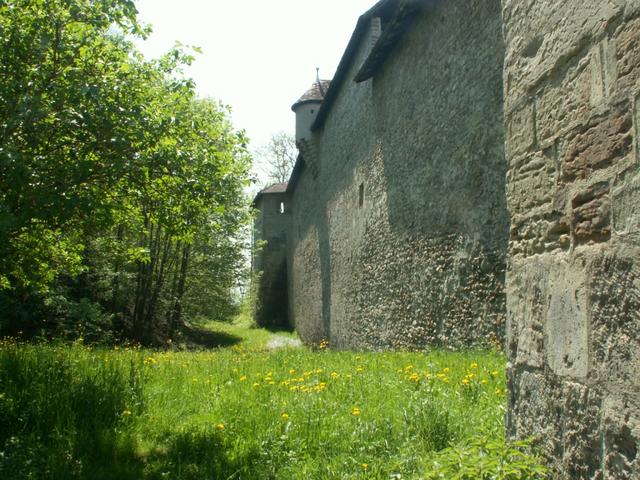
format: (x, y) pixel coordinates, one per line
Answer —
(482, 459)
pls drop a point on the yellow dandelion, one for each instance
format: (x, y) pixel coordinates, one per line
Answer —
(285, 416)
(243, 378)
(359, 369)
(292, 372)
(126, 413)
(220, 426)
(256, 385)
(356, 412)
(474, 365)
(465, 381)
(365, 466)
(445, 370)
(334, 375)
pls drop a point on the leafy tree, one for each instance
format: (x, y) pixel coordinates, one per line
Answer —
(117, 184)
(71, 124)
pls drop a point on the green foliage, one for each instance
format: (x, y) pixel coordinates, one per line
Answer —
(61, 418)
(487, 459)
(252, 413)
(116, 182)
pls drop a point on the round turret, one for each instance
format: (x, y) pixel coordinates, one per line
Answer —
(307, 106)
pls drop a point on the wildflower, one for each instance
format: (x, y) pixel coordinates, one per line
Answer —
(494, 373)
(334, 375)
(256, 385)
(484, 381)
(355, 411)
(292, 372)
(445, 370)
(408, 368)
(285, 416)
(465, 381)
(220, 426)
(414, 377)
(243, 378)
(365, 466)
(126, 413)
(474, 365)
(359, 369)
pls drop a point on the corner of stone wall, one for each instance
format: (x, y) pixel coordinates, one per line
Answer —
(572, 84)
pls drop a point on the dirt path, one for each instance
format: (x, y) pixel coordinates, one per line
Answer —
(278, 341)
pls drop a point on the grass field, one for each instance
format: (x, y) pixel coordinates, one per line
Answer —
(246, 412)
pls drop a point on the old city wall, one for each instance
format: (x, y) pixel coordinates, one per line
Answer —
(312, 251)
(572, 85)
(400, 239)
(271, 228)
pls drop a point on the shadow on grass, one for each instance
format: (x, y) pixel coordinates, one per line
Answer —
(64, 418)
(200, 337)
(195, 455)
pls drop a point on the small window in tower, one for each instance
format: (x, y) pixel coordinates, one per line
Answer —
(312, 111)
(281, 209)
(361, 195)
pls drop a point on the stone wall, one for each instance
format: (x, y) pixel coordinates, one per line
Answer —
(399, 240)
(270, 228)
(572, 85)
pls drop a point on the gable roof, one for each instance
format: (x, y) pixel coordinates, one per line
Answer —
(275, 188)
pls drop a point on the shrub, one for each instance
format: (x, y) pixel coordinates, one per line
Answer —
(487, 459)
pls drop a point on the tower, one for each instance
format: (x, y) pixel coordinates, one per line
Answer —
(306, 108)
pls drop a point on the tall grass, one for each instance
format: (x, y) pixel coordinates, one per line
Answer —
(239, 413)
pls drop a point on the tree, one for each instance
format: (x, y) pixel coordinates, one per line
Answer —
(278, 157)
(117, 184)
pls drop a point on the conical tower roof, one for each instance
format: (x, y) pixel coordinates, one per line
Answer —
(316, 93)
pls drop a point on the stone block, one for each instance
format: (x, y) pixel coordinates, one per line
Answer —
(532, 183)
(621, 437)
(521, 134)
(582, 451)
(628, 55)
(597, 145)
(591, 214)
(626, 207)
(615, 317)
(567, 320)
(539, 233)
(565, 100)
(527, 292)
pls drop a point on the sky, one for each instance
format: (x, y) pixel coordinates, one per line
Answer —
(258, 56)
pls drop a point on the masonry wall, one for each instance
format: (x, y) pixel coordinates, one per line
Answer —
(271, 228)
(406, 222)
(572, 85)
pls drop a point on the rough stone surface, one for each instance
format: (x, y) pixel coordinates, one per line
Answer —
(572, 79)
(400, 240)
(269, 262)
(400, 232)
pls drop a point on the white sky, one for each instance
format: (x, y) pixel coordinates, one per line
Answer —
(259, 56)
